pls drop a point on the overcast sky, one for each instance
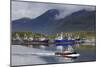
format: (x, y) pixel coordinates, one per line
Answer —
(33, 9)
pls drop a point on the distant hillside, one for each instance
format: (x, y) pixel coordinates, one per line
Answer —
(79, 21)
(47, 23)
(43, 23)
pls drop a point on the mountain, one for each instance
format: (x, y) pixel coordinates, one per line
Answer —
(45, 22)
(42, 23)
(22, 24)
(82, 20)
(79, 21)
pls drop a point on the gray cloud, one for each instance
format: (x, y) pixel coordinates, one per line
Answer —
(33, 10)
(26, 9)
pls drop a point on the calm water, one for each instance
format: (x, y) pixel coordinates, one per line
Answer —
(86, 54)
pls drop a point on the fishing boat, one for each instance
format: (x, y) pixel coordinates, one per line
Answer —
(40, 40)
(67, 52)
(61, 39)
(68, 55)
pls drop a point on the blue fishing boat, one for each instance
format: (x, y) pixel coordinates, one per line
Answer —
(60, 39)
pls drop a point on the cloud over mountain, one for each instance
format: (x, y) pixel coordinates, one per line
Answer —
(35, 9)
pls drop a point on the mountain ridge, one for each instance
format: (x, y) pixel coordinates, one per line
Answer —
(46, 23)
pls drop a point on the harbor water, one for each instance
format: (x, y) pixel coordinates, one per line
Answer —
(18, 58)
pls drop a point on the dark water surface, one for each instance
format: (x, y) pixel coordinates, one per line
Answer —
(86, 54)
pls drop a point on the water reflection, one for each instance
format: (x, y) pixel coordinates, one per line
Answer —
(55, 48)
(86, 54)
